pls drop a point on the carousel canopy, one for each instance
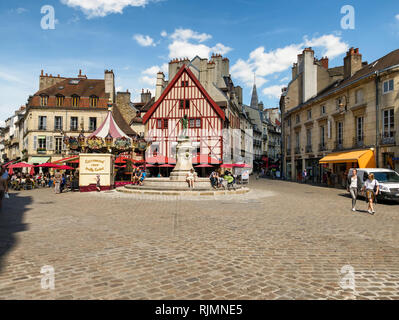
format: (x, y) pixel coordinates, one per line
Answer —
(109, 127)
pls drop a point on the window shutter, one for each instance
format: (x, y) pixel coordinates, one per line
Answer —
(35, 143)
(51, 147)
(45, 123)
(47, 143)
(64, 147)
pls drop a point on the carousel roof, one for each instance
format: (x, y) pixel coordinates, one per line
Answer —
(109, 127)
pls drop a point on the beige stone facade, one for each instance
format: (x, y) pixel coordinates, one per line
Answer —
(358, 111)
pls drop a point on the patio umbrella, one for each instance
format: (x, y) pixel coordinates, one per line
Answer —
(242, 165)
(227, 165)
(204, 166)
(121, 159)
(65, 168)
(149, 166)
(48, 165)
(165, 166)
(20, 165)
(32, 171)
(10, 171)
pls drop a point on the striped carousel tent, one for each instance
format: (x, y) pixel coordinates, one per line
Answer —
(109, 128)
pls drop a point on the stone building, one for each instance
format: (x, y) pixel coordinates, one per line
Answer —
(12, 136)
(68, 107)
(347, 108)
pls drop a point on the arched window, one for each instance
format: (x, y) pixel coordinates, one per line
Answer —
(60, 100)
(93, 101)
(43, 100)
(75, 100)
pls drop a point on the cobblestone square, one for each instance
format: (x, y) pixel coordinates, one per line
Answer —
(281, 241)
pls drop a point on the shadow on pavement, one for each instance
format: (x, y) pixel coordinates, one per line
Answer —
(11, 222)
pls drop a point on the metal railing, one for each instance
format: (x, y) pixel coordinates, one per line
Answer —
(358, 142)
(322, 147)
(309, 148)
(388, 138)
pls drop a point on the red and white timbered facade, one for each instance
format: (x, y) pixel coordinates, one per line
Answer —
(185, 96)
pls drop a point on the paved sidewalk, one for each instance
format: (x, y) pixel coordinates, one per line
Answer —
(281, 241)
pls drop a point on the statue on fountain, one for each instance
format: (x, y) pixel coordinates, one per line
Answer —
(184, 122)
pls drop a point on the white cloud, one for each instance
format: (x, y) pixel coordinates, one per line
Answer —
(273, 91)
(101, 8)
(397, 17)
(164, 34)
(265, 63)
(188, 44)
(21, 10)
(149, 75)
(144, 41)
(331, 44)
(188, 34)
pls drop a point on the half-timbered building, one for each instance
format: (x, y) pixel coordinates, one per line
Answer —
(184, 95)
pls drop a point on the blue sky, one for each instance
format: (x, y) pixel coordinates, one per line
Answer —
(137, 38)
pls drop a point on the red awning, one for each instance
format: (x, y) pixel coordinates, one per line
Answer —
(203, 158)
(161, 160)
(74, 159)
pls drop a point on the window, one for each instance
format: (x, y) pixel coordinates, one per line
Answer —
(322, 136)
(184, 83)
(359, 96)
(388, 123)
(297, 140)
(42, 123)
(359, 129)
(340, 132)
(309, 137)
(41, 144)
(75, 101)
(298, 118)
(93, 101)
(289, 122)
(184, 104)
(388, 86)
(288, 142)
(57, 123)
(162, 123)
(92, 124)
(309, 114)
(60, 101)
(195, 123)
(43, 101)
(322, 110)
(74, 123)
(58, 145)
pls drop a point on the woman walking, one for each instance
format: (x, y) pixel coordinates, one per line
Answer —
(3, 186)
(372, 189)
(354, 185)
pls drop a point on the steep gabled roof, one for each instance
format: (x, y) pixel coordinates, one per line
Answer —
(184, 68)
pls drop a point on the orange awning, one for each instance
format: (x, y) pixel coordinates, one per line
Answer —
(365, 158)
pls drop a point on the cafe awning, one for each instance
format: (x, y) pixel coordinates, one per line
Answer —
(364, 158)
(39, 160)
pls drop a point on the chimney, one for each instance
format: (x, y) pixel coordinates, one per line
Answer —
(309, 79)
(352, 62)
(145, 96)
(109, 79)
(160, 84)
(324, 62)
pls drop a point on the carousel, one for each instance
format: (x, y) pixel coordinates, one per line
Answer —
(107, 156)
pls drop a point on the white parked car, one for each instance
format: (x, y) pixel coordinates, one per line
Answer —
(387, 179)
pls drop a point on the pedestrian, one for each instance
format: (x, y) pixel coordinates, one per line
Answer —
(354, 184)
(304, 175)
(190, 178)
(57, 182)
(98, 183)
(372, 189)
(3, 187)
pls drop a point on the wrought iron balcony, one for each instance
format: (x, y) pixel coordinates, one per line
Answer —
(338, 145)
(322, 147)
(297, 150)
(309, 149)
(388, 138)
(358, 142)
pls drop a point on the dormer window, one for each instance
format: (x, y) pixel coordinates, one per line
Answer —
(93, 101)
(75, 100)
(60, 100)
(43, 101)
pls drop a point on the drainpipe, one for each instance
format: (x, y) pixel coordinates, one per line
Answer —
(377, 116)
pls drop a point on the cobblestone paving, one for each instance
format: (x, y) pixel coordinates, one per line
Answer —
(281, 241)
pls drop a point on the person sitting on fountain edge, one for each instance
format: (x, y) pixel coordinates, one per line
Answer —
(190, 178)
